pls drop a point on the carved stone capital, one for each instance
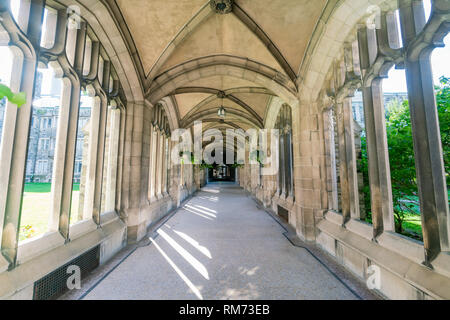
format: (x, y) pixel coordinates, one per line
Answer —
(221, 6)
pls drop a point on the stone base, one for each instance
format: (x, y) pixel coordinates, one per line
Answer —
(402, 276)
(19, 283)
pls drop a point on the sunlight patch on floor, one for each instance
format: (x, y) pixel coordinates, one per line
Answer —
(212, 199)
(200, 211)
(194, 243)
(191, 286)
(207, 209)
(211, 190)
(197, 265)
(198, 214)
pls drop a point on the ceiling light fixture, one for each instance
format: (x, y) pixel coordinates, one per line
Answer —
(222, 112)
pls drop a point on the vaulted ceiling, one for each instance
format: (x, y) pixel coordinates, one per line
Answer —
(271, 34)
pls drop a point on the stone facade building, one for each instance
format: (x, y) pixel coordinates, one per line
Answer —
(41, 149)
(154, 70)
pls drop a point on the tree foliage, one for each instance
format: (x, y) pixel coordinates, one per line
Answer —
(443, 105)
(401, 155)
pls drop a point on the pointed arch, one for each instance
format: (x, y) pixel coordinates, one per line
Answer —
(225, 65)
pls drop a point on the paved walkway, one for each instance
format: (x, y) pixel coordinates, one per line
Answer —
(220, 246)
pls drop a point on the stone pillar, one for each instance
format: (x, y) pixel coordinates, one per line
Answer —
(349, 154)
(377, 147)
(343, 170)
(100, 153)
(84, 171)
(121, 161)
(425, 128)
(166, 160)
(90, 155)
(330, 160)
(308, 155)
(159, 166)
(111, 165)
(17, 156)
(136, 222)
(153, 154)
(282, 168)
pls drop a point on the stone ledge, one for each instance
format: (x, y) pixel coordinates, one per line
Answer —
(442, 263)
(26, 274)
(81, 228)
(108, 217)
(335, 218)
(361, 228)
(432, 283)
(3, 264)
(34, 247)
(408, 248)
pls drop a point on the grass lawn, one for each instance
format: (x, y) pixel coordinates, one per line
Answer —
(44, 187)
(36, 208)
(414, 225)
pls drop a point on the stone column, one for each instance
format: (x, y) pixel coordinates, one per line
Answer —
(100, 153)
(330, 158)
(11, 222)
(121, 161)
(153, 154)
(350, 160)
(166, 160)
(60, 152)
(111, 166)
(282, 168)
(174, 182)
(159, 166)
(425, 128)
(308, 155)
(343, 169)
(91, 157)
(377, 148)
(132, 171)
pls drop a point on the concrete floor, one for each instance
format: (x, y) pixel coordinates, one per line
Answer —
(220, 246)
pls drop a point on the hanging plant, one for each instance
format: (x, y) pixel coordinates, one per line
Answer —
(18, 99)
(189, 154)
(204, 165)
(259, 156)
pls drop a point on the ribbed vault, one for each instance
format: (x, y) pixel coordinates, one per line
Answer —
(194, 55)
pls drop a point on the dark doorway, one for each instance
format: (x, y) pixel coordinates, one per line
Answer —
(222, 173)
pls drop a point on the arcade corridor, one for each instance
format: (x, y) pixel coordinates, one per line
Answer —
(219, 245)
(325, 123)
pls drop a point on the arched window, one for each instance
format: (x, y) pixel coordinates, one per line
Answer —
(45, 149)
(285, 153)
(159, 132)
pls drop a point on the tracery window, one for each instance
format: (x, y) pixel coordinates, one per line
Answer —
(285, 171)
(159, 133)
(44, 145)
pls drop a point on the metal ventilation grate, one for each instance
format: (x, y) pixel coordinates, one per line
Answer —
(55, 283)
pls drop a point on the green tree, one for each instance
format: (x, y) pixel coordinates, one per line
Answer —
(443, 105)
(401, 155)
(402, 163)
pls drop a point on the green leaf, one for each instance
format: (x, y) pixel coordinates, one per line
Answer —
(18, 99)
(5, 91)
